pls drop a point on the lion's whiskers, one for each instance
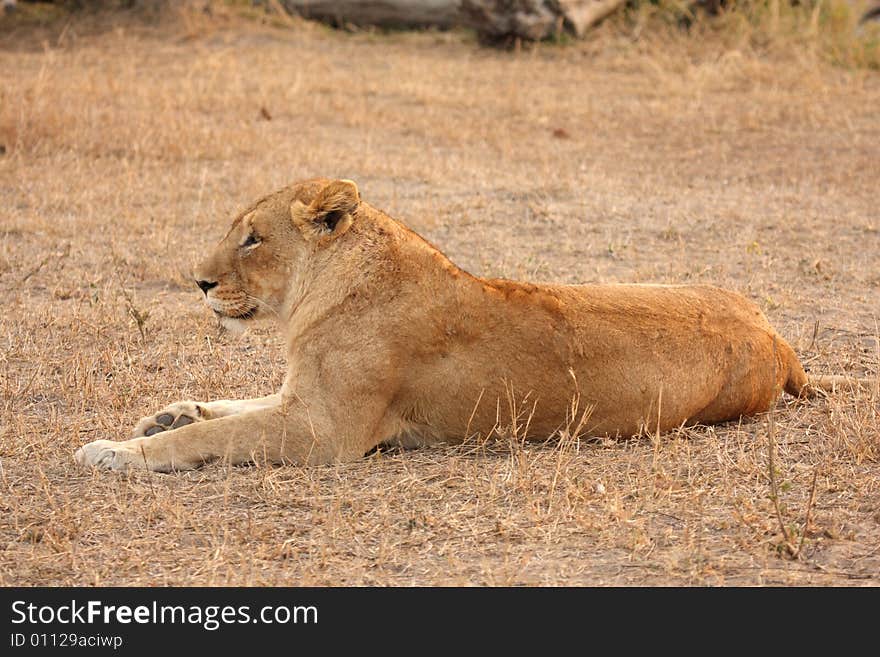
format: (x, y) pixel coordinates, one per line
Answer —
(266, 306)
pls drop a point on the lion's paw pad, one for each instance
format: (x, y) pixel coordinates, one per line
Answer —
(175, 416)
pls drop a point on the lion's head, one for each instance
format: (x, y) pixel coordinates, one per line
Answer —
(254, 269)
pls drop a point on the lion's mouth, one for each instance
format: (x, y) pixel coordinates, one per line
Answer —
(240, 315)
(247, 314)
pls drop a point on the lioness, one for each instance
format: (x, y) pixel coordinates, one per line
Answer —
(390, 342)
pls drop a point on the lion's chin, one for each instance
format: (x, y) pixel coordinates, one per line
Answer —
(233, 324)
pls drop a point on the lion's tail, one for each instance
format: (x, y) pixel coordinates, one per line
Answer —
(825, 383)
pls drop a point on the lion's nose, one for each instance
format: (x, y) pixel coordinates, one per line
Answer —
(206, 285)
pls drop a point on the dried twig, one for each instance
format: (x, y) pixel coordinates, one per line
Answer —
(771, 458)
(149, 474)
(139, 316)
(815, 335)
(35, 269)
(809, 511)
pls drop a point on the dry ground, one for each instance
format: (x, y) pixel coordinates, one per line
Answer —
(128, 150)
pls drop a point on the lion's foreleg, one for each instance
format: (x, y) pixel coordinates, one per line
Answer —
(182, 413)
(274, 435)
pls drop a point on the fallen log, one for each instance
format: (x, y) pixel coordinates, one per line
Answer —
(535, 19)
(380, 13)
(528, 19)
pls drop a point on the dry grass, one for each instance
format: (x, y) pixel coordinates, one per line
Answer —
(127, 150)
(827, 30)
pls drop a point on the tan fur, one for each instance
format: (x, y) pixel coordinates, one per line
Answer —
(388, 341)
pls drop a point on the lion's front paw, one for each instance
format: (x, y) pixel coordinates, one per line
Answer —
(107, 455)
(172, 417)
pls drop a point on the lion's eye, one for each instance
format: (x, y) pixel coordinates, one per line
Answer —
(252, 240)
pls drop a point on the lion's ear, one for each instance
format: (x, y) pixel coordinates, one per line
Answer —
(330, 214)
